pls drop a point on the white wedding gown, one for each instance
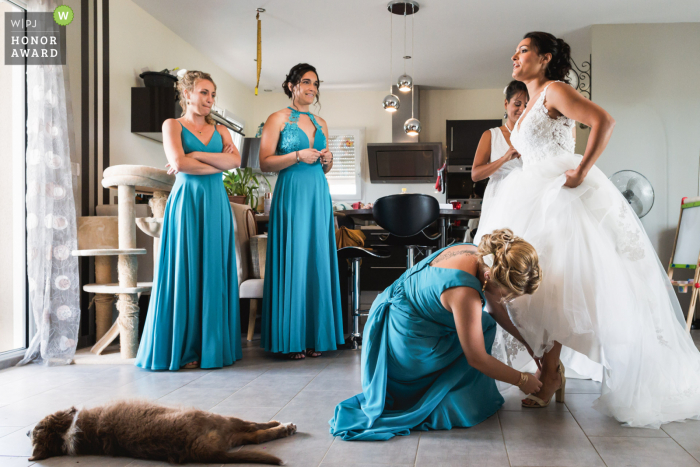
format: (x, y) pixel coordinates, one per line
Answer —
(505, 347)
(604, 292)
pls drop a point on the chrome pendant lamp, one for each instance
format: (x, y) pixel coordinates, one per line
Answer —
(412, 126)
(405, 8)
(391, 102)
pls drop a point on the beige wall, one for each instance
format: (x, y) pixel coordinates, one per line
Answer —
(137, 41)
(363, 109)
(646, 76)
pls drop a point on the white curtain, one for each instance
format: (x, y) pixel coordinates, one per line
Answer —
(51, 216)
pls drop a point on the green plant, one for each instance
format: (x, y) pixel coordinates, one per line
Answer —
(243, 182)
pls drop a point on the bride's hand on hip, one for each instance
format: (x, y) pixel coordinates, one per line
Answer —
(573, 178)
(532, 385)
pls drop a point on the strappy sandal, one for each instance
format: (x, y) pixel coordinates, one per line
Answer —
(559, 393)
(191, 366)
(297, 356)
(312, 353)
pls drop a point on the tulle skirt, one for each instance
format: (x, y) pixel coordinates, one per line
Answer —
(604, 292)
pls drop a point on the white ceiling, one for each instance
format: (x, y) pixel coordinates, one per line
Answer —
(459, 44)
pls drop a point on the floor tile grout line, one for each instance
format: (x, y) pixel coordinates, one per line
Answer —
(587, 437)
(503, 436)
(237, 390)
(327, 451)
(298, 392)
(290, 400)
(679, 444)
(415, 459)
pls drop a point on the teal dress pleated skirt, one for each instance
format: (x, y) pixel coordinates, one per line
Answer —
(301, 306)
(193, 313)
(414, 372)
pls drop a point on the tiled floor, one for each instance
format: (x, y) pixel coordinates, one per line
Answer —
(261, 387)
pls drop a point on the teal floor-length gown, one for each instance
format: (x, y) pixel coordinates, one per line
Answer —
(414, 372)
(193, 314)
(301, 300)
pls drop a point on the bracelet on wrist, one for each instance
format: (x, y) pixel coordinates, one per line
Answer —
(523, 380)
(297, 156)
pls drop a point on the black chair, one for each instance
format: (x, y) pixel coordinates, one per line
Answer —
(355, 254)
(406, 217)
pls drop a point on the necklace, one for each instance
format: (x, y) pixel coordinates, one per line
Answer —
(195, 128)
(506, 125)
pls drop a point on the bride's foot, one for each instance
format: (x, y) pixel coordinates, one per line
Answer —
(191, 366)
(553, 383)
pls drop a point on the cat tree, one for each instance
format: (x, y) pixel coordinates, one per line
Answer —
(127, 180)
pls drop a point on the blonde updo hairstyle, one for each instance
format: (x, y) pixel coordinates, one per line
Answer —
(187, 83)
(515, 264)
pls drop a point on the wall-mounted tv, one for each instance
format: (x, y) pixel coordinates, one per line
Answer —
(404, 162)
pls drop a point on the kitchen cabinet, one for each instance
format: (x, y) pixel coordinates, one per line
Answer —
(463, 138)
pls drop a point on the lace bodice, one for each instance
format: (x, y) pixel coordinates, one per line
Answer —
(538, 136)
(293, 138)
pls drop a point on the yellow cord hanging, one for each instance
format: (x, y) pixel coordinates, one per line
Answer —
(259, 60)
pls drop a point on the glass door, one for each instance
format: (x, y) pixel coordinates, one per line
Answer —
(13, 278)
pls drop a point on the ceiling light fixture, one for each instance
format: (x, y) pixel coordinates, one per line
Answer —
(391, 102)
(412, 126)
(404, 8)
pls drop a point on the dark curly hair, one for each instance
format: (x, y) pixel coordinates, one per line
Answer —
(545, 43)
(514, 88)
(294, 78)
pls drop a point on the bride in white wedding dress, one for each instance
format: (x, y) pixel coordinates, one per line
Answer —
(495, 159)
(604, 292)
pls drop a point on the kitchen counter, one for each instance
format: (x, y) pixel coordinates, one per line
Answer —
(446, 216)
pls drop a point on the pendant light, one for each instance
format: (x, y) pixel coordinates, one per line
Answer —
(391, 102)
(405, 82)
(412, 126)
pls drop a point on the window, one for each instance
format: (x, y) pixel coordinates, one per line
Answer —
(237, 139)
(344, 179)
(13, 128)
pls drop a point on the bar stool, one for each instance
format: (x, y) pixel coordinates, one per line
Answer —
(405, 217)
(355, 254)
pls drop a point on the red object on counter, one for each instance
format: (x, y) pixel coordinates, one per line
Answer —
(357, 205)
(456, 205)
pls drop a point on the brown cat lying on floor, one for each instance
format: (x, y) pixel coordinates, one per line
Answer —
(148, 431)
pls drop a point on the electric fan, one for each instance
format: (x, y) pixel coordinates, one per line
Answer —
(636, 189)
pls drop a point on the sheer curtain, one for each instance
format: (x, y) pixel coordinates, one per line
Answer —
(51, 216)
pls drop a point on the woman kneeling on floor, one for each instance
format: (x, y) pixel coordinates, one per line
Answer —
(426, 362)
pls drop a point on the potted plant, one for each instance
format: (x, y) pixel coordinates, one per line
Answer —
(242, 186)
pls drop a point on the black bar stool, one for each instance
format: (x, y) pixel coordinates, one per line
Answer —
(355, 255)
(405, 217)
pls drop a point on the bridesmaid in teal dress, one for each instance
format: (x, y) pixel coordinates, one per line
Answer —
(193, 315)
(301, 310)
(426, 352)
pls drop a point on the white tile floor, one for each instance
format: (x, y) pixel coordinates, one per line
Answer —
(261, 387)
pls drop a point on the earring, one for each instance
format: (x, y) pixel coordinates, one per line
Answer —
(483, 288)
(505, 115)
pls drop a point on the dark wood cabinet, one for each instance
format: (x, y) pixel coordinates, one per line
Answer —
(463, 138)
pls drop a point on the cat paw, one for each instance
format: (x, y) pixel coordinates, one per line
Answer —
(275, 423)
(290, 427)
